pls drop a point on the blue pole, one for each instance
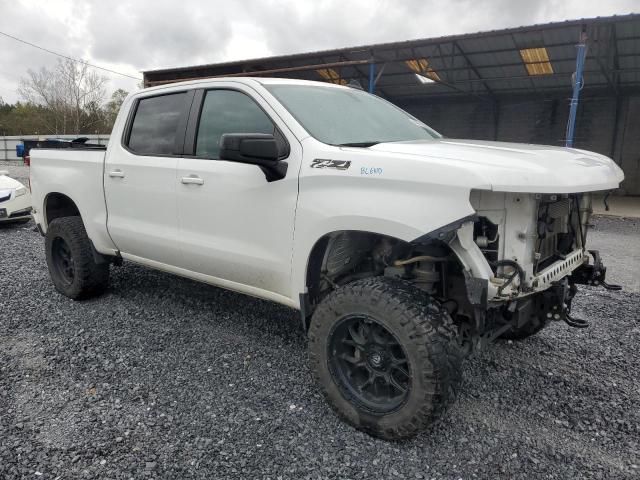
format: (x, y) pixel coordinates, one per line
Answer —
(578, 81)
(372, 77)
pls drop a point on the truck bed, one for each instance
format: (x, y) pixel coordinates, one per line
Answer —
(78, 172)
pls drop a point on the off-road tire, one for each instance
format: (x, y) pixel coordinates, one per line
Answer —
(424, 330)
(90, 278)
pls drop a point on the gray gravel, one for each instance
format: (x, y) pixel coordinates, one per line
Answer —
(166, 378)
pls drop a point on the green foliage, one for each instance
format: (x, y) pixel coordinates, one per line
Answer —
(113, 106)
(25, 118)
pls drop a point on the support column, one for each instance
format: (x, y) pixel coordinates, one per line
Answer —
(577, 86)
(372, 77)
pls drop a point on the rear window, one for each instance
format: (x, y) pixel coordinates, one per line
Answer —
(155, 125)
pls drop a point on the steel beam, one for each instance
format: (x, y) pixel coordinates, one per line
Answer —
(578, 82)
(266, 72)
(473, 68)
(372, 77)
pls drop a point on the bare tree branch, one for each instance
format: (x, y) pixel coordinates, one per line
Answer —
(70, 91)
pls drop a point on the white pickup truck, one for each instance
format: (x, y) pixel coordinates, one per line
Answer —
(403, 250)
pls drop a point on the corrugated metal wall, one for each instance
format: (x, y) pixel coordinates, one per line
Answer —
(513, 119)
(531, 120)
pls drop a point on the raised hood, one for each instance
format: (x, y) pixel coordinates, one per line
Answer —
(515, 167)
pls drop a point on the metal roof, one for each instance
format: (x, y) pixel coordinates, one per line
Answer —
(480, 64)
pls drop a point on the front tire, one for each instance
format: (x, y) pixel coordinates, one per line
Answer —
(386, 356)
(72, 267)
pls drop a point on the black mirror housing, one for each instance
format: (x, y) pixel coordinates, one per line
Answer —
(260, 149)
(257, 148)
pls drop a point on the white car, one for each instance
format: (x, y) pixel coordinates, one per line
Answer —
(15, 199)
(403, 250)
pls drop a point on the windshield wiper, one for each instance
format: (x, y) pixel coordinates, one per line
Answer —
(358, 144)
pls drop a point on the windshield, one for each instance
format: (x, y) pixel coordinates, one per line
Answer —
(346, 116)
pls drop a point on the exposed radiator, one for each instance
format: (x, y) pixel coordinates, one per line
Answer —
(558, 209)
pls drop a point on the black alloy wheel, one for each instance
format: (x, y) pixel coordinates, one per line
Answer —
(369, 363)
(386, 356)
(63, 260)
(75, 268)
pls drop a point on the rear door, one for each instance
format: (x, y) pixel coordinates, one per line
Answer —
(234, 224)
(140, 178)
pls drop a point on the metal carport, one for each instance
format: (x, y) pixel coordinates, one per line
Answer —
(513, 84)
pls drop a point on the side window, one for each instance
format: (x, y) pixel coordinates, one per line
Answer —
(228, 111)
(155, 125)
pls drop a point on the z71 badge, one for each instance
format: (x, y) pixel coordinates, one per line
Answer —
(337, 164)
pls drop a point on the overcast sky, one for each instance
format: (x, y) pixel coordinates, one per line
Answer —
(135, 35)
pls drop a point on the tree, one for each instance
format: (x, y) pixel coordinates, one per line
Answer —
(71, 93)
(113, 106)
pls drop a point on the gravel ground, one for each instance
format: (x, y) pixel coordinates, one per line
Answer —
(163, 377)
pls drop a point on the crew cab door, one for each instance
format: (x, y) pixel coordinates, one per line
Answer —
(140, 178)
(235, 225)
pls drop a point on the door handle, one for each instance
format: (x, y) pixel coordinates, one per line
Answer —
(192, 180)
(117, 173)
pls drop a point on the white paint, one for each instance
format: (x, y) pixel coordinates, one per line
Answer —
(242, 233)
(11, 187)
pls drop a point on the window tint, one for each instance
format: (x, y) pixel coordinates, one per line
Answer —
(228, 111)
(155, 124)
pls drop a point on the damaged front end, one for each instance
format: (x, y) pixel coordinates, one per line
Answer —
(522, 257)
(505, 271)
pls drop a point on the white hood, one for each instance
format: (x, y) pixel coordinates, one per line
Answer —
(515, 167)
(8, 183)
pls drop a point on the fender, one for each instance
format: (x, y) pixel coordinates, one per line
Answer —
(408, 213)
(78, 176)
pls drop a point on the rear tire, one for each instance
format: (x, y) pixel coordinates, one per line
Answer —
(389, 331)
(70, 259)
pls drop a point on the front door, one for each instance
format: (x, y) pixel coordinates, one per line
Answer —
(140, 179)
(235, 225)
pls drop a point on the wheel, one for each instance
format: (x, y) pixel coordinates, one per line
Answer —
(386, 356)
(72, 267)
(529, 329)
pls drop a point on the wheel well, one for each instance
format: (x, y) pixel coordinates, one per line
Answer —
(346, 255)
(341, 257)
(58, 205)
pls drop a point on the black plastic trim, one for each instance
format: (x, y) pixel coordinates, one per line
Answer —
(305, 313)
(98, 257)
(192, 123)
(445, 233)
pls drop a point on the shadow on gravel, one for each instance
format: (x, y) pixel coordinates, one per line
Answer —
(164, 377)
(14, 224)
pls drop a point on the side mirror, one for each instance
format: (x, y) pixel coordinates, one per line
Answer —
(256, 149)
